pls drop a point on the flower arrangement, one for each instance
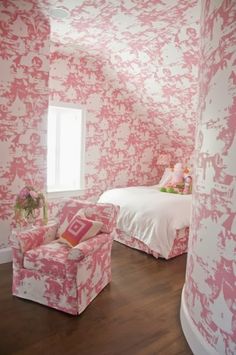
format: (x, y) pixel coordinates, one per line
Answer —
(29, 200)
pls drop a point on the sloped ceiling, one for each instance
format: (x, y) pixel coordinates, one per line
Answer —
(149, 47)
(112, 26)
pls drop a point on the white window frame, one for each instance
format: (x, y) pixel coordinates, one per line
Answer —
(72, 192)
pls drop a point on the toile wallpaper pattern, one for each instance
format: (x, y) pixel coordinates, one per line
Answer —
(140, 92)
(24, 63)
(141, 101)
(210, 291)
(140, 89)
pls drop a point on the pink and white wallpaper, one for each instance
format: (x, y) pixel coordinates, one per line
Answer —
(24, 65)
(141, 101)
(121, 148)
(210, 292)
(133, 65)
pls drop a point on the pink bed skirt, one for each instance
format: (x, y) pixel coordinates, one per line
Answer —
(179, 247)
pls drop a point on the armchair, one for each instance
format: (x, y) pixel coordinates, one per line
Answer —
(54, 274)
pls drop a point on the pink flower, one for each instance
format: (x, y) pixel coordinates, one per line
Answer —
(29, 200)
(24, 193)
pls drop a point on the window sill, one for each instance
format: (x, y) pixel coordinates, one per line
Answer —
(61, 194)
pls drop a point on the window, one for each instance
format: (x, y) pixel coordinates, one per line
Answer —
(65, 145)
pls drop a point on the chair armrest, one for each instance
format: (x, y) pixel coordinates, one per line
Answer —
(30, 239)
(89, 246)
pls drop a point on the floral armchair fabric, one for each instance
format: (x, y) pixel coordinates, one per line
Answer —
(52, 273)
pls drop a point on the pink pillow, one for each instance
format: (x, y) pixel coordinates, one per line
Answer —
(80, 229)
(166, 177)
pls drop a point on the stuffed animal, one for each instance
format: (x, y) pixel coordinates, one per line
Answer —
(177, 176)
(176, 182)
(187, 185)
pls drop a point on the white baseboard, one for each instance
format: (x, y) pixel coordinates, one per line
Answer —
(194, 338)
(5, 255)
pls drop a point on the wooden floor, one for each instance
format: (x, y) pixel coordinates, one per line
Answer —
(137, 314)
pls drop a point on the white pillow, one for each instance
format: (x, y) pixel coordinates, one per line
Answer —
(166, 177)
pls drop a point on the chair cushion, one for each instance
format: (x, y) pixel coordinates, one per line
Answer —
(79, 230)
(50, 259)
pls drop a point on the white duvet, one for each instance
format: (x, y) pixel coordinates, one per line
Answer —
(150, 215)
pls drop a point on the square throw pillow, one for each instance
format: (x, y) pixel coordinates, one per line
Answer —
(79, 230)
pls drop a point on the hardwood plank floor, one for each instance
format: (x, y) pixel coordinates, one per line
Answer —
(137, 314)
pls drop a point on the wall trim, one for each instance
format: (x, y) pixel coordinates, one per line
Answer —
(5, 255)
(194, 338)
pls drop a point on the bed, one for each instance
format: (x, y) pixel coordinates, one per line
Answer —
(150, 220)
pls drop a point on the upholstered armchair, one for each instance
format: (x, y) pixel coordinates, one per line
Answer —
(57, 275)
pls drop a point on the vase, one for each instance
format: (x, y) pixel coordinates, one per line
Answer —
(30, 221)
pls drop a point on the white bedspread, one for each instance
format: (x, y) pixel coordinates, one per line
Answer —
(150, 215)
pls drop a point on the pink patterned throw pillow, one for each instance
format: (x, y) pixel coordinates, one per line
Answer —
(79, 230)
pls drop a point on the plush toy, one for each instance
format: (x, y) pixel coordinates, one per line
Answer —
(186, 172)
(178, 175)
(187, 185)
(176, 182)
(169, 189)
